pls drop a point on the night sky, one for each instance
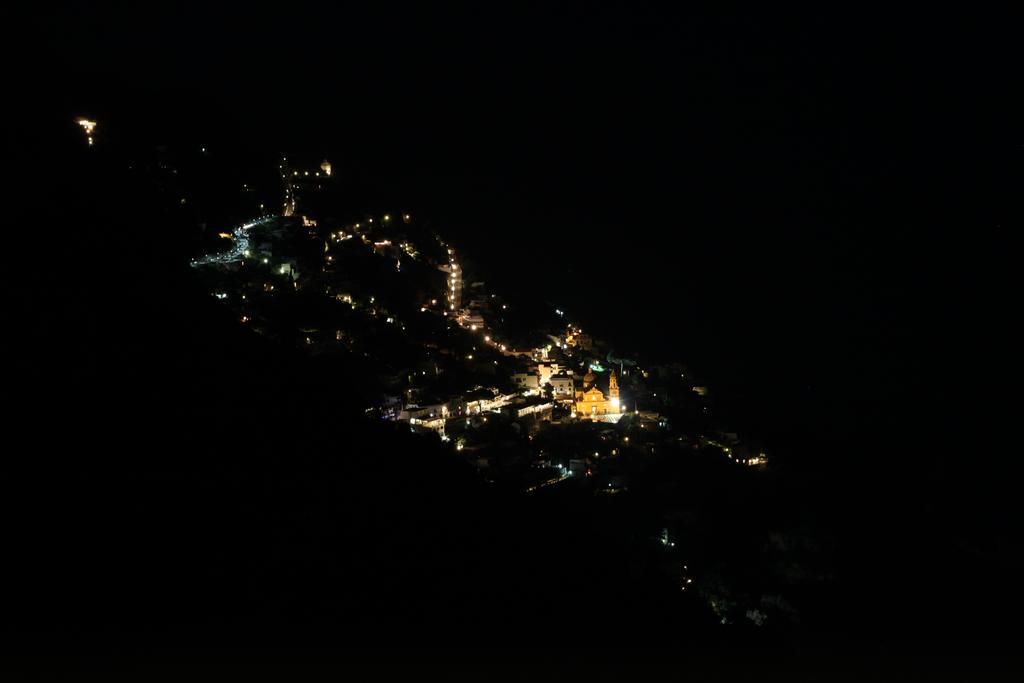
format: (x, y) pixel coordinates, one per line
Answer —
(813, 210)
(811, 204)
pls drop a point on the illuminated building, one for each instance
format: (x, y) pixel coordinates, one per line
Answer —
(540, 409)
(525, 380)
(592, 402)
(561, 386)
(546, 371)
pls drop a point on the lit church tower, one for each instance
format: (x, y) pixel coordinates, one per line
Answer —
(613, 392)
(591, 402)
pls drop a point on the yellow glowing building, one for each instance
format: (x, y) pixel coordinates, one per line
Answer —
(592, 402)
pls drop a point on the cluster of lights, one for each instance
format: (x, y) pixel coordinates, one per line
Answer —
(571, 337)
(88, 126)
(453, 282)
(686, 581)
(240, 249)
